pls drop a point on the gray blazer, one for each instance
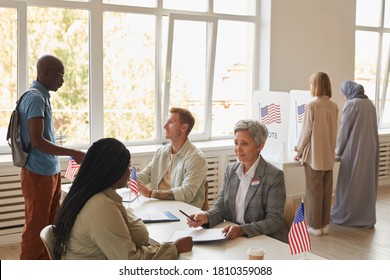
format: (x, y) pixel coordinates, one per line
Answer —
(264, 202)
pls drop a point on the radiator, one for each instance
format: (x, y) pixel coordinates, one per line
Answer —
(384, 161)
(214, 176)
(11, 204)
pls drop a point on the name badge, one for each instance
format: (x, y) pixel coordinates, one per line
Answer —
(255, 182)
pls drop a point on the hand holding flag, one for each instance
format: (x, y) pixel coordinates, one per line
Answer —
(72, 169)
(133, 185)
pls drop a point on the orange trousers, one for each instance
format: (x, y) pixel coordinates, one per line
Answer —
(42, 201)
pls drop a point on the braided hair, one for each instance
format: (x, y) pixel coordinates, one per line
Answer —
(104, 164)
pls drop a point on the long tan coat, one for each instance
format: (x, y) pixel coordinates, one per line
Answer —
(317, 141)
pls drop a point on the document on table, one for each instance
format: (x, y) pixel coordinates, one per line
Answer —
(200, 235)
(157, 217)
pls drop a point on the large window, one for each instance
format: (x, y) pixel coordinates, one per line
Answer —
(372, 54)
(128, 61)
(129, 76)
(8, 67)
(233, 78)
(65, 36)
(190, 61)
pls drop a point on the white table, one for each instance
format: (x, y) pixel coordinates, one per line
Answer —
(231, 249)
(235, 249)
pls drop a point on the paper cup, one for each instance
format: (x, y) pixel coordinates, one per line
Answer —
(255, 253)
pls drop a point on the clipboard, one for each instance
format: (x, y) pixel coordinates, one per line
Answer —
(158, 217)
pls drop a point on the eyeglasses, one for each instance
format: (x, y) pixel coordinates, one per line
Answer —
(61, 75)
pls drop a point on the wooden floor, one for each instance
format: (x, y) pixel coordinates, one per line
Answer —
(342, 243)
(351, 243)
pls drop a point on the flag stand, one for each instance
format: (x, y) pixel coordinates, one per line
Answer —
(305, 255)
(305, 258)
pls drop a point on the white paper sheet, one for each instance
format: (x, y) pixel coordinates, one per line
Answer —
(199, 235)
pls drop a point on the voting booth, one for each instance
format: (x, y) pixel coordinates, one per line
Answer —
(297, 100)
(273, 110)
(283, 114)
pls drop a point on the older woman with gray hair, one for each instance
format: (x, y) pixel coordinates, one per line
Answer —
(253, 193)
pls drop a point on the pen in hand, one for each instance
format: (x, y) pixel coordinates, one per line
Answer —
(187, 216)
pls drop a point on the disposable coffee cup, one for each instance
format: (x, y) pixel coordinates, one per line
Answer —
(255, 253)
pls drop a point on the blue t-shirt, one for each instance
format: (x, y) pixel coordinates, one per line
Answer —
(32, 105)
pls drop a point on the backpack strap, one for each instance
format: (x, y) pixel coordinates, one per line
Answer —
(28, 148)
(30, 89)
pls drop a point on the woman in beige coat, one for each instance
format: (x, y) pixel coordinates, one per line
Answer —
(316, 150)
(93, 223)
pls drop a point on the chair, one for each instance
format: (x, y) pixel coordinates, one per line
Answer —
(289, 211)
(48, 239)
(205, 205)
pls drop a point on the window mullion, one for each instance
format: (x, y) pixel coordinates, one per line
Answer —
(158, 75)
(168, 65)
(96, 103)
(213, 27)
(382, 99)
(23, 82)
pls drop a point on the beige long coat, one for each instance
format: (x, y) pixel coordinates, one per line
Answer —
(317, 141)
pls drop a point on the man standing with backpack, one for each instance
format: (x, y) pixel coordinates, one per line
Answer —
(41, 175)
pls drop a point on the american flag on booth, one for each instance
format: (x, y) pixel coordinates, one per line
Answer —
(132, 184)
(270, 114)
(298, 237)
(301, 112)
(72, 169)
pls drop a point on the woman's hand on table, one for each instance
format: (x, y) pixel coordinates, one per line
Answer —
(184, 244)
(233, 231)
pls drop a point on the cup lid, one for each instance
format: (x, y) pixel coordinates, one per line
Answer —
(256, 251)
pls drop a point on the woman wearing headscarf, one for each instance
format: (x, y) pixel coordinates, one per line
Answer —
(358, 149)
(93, 224)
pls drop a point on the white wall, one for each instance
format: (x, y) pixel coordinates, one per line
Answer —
(307, 36)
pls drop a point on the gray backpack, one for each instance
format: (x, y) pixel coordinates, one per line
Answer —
(19, 153)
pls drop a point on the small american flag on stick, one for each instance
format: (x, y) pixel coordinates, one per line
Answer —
(298, 237)
(72, 169)
(133, 185)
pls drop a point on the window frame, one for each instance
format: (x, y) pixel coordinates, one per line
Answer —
(212, 29)
(381, 30)
(96, 9)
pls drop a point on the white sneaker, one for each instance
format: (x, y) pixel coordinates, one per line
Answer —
(316, 232)
(325, 230)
